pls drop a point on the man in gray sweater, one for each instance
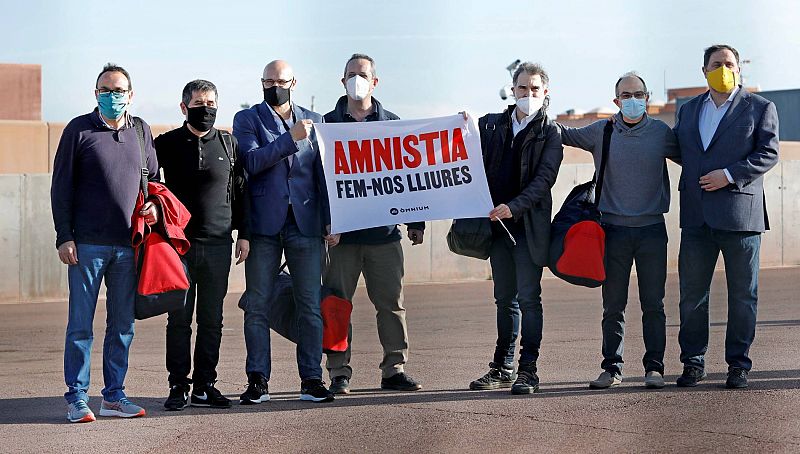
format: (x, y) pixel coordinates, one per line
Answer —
(634, 198)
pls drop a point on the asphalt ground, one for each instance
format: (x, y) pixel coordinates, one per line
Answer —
(452, 333)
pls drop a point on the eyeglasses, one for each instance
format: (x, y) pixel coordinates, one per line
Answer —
(280, 82)
(628, 95)
(117, 91)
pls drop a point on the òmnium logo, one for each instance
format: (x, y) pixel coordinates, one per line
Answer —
(396, 211)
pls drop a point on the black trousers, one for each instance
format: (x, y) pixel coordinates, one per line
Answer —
(209, 267)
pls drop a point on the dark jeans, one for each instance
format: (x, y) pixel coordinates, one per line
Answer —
(304, 256)
(517, 290)
(647, 247)
(700, 248)
(209, 266)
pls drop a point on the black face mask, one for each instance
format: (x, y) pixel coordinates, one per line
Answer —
(201, 118)
(276, 96)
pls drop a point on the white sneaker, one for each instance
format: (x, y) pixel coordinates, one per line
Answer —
(653, 380)
(606, 380)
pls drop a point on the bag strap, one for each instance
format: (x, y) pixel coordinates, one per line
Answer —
(607, 130)
(228, 145)
(145, 172)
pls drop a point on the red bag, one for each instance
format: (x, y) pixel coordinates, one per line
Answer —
(577, 240)
(583, 256)
(335, 323)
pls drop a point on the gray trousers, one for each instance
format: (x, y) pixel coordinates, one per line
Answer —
(382, 266)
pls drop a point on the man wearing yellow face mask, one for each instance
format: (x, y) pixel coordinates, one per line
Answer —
(729, 140)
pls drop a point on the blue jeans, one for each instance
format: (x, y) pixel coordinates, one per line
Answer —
(304, 256)
(116, 265)
(517, 291)
(647, 246)
(700, 248)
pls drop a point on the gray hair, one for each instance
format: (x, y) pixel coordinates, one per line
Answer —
(361, 57)
(625, 76)
(197, 85)
(533, 69)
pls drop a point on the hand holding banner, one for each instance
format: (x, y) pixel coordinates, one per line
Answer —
(393, 172)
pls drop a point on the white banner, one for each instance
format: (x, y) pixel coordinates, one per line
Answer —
(394, 172)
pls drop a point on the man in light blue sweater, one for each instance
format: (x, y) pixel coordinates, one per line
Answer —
(634, 198)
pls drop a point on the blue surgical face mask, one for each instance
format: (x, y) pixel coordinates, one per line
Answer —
(633, 108)
(112, 105)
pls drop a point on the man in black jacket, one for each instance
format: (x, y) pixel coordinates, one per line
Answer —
(522, 153)
(200, 166)
(375, 252)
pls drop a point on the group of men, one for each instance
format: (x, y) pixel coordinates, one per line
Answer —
(266, 181)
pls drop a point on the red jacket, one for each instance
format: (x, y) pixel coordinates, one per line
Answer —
(161, 267)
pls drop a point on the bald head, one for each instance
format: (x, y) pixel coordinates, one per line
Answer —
(630, 82)
(278, 70)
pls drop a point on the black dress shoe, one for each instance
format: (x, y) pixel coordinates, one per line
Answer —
(737, 378)
(691, 376)
(400, 382)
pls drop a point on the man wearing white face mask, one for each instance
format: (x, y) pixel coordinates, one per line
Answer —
(522, 154)
(375, 252)
(634, 198)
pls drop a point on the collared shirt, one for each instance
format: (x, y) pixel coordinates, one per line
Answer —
(517, 126)
(710, 117)
(128, 121)
(280, 122)
(372, 116)
(206, 177)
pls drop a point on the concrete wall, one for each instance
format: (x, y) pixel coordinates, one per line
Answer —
(30, 270)
(30, 146)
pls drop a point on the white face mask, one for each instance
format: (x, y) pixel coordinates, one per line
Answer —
(529, 105)
(357, 87)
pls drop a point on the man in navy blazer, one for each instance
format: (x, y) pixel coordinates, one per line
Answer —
(289, 212)
(729, 140)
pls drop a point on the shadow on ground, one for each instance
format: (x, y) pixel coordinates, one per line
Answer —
(39, 410)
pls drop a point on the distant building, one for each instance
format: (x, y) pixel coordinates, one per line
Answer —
(21, 91)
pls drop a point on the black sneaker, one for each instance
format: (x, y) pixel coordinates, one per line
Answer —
(257, 390)
(737, 378)
(400, 382)
(314, 390)
(497, 377)
(178, 398)
(209, 396)
(340, 385)
(527, 381)
(690, 377)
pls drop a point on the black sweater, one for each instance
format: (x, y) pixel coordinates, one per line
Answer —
(209, 180)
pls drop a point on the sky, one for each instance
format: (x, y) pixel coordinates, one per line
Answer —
(433, 57)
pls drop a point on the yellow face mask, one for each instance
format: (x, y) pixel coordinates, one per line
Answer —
(722, 79)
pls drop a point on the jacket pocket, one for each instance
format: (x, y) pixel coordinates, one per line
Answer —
(749, 189)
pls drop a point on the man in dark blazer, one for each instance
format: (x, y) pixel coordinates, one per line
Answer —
(289, 213)
(729, 140)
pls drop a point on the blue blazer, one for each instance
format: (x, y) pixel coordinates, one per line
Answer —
(272, 184)
(745, 143)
